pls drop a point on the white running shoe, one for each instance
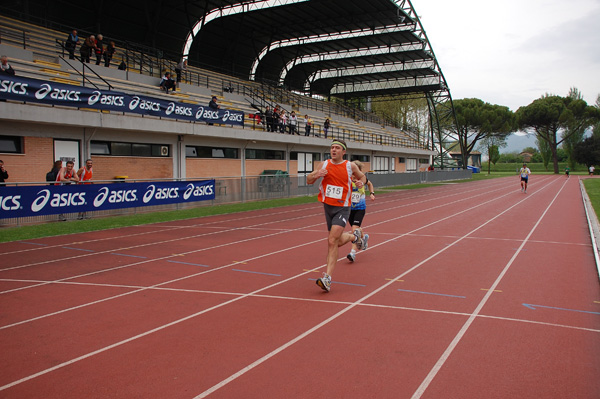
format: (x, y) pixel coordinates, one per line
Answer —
(324, 282)
(364, 243)
(351, 257)
(357, 236)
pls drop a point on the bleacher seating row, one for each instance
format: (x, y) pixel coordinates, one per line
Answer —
(198, 85)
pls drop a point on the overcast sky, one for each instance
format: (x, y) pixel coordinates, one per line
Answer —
(513, 52)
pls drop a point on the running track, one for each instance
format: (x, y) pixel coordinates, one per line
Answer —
(471, 290)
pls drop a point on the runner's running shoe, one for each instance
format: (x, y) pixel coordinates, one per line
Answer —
(351, 257)
(357, 236)
(324, 282)
(364, 243)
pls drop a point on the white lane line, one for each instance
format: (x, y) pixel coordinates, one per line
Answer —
(64, 364)
(436, 368)
(358, 302)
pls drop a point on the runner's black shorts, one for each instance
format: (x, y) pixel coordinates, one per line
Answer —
(356, 217)
(336, 215)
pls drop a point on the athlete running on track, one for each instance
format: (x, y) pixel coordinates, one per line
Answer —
(335, 192)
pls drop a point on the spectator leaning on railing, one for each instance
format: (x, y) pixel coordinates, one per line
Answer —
(5, 66)
(71, 43)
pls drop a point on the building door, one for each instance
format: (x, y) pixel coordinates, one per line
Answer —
(305, 166)
(67, 150)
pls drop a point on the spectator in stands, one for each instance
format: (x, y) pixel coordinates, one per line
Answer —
(179, 70)
(307, 125)
(86, 48)
(326, 126)
(293, 122)
(269, 118)
(5, 67)
(282, 121)
(213, 103)
(99, 50)
(71, 43)
(3, 173)
(167, 83)
(108, 53)
(276, 112)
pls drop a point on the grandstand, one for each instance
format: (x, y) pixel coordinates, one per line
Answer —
(122, 144)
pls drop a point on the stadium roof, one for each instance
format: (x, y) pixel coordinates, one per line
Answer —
(343, 48)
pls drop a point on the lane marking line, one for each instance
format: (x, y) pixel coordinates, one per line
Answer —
(488, 289)
(432, 293)
(532, 307)
(131, 256)
(442, 360)
(187, 263)
(250, 271)
(80, 249)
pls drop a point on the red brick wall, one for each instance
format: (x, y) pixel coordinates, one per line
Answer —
(106, 167)
(201, 167)
(33, 164)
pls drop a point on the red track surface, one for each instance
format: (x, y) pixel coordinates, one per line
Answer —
(466, 291)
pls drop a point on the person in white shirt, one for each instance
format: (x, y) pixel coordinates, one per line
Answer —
(524, 173)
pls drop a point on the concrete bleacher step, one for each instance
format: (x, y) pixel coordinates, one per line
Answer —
(60, 73)
(66, 81)
(47, 63)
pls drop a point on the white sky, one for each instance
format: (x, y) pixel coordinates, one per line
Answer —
(514, 51)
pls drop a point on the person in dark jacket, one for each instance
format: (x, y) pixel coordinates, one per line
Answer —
(71, 43)
(86, 48)
(3, 173)
(108, 53)
(99, 49)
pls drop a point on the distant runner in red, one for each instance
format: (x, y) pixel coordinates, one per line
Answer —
(335, 191)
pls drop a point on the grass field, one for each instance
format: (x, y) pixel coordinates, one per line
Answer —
(81, 226)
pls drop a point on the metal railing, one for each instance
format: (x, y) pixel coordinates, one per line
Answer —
(242, 189)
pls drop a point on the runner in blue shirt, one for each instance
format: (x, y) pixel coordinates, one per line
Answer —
(359, 206)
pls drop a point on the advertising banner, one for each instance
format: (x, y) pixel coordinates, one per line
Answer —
(52, 93)
(16, 202)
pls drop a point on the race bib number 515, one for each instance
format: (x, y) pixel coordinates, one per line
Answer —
(334, 191)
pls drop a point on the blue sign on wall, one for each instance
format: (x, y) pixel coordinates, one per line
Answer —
(26, 201)
(52, 93)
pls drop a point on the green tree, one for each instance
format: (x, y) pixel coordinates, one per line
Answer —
(545, 151)
(573, 132)
(491, 145)
(478, 120)
(588, 151)
(596, 127)
(550, 115)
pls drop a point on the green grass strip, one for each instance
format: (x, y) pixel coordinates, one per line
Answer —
(49, 229)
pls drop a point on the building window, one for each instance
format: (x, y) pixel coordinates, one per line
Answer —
(265, 154)
(361, 158)
(11, 144)
(116, 148)
(381, 164)
(211, 152)
(423, 160)
(401, 160)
